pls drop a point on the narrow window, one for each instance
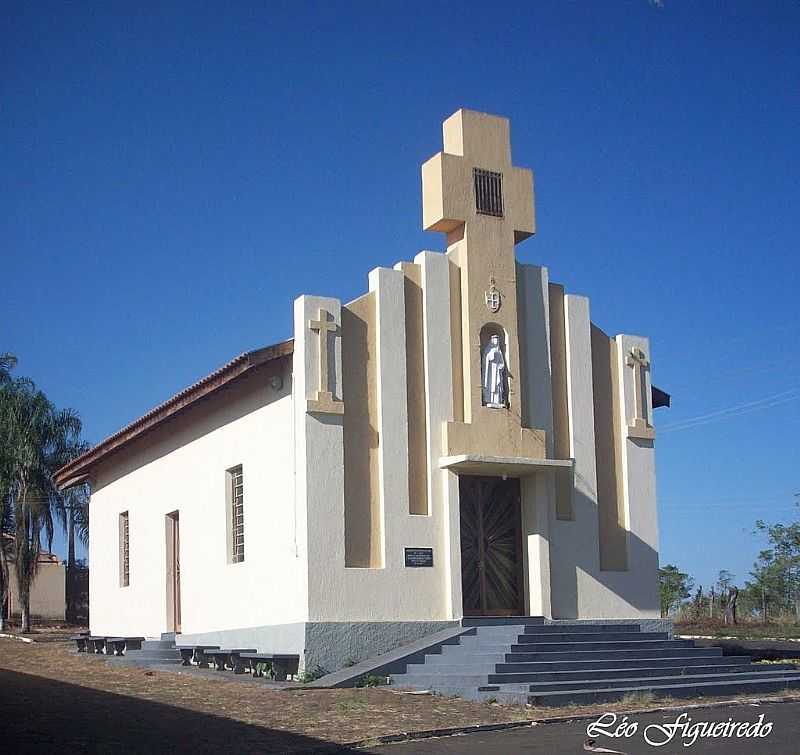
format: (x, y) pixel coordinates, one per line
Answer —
(488, 192)
(124, 551)
(236, 513)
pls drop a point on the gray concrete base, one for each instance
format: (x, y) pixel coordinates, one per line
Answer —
(329, 645)
(332, 645)
(645, 625)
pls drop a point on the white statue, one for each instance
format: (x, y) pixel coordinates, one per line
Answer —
(493, 370)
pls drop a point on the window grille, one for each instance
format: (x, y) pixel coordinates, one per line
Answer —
(237, 514)
(488, 192)
(125, 551)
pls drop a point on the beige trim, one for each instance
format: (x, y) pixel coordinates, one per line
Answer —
(561, 430)
(455, 338)
(124, 549)
(482, 246)
(362, 521)
(608, 453)
(324, 403)
(640, 426)
(499, 466)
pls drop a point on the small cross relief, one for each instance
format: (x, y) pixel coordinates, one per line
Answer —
(640, 427)
(324, 403)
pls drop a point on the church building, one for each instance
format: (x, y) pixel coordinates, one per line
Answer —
(460, 440)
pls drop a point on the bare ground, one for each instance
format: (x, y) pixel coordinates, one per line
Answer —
(51, 696)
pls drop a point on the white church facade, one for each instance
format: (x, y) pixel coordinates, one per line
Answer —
(460, 440)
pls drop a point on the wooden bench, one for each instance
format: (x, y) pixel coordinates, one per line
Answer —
(196, 653)
(231, 657)
(120, 645)
(282, 664)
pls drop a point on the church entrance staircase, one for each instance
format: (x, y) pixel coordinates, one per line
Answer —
(523, 660)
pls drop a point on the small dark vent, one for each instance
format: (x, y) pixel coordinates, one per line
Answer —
(488, 192)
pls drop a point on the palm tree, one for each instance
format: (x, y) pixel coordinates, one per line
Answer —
(7, 363)
(75, 513)
(38, 438)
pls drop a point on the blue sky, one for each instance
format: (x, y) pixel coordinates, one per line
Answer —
(175, 174)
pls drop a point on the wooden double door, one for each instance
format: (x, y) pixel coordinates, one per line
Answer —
(491, 546)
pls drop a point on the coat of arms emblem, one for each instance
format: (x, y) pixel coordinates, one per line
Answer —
(492, 297)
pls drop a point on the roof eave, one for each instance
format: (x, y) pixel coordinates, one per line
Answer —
(79, 469)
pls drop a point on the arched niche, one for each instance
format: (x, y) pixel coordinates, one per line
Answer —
(489, 331)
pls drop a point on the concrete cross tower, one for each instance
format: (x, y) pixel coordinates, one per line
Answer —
(473, 193)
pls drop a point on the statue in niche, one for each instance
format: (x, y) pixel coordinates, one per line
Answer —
(494, 374)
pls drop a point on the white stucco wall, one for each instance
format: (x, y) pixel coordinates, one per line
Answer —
(183, 468)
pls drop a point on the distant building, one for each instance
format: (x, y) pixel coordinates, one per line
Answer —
(48, 593)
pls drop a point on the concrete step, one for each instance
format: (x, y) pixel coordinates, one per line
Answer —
(464, 660)
(510, 695)
(688, 689)
(535, 639)
(581, 675)
(462, 680)
(580, 628)
(157, 645)
(615, 682)
(665, 647)
(496, 621)
(632, 645)
(431, 669)
(526, 671)
(610, 655)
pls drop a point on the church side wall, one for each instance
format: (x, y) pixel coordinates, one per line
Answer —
(183, 469)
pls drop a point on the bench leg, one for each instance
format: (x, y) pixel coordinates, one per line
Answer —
(237, 665)
(279, 671)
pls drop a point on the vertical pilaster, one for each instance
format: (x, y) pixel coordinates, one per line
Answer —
(638, 471)
(389, 288)
(319, 456)
(582, 434)
(440, 408)
(537, 411)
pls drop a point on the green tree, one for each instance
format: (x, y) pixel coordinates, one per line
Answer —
(7, 363)
(767, 588)
(36, 439)
(76, 525)
(674, 587)
(784, 554)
